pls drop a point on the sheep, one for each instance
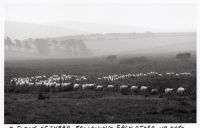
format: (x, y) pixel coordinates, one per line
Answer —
(124, 89)
(22, 83)
(87, 86)
(110, 87)
(181, 90)
(13, 81)
(51, 84)
(31, 84)
(66, 86)
(83, 78)
(99, 88)
(76, 86)
(144, 88)
(91, 86)
(54, 76)
(84, 86)
(123, 86)
(134, 89)
(154, 91)
(169, 90)
(57, 84)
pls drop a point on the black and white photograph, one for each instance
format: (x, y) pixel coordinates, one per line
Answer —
(99, 62)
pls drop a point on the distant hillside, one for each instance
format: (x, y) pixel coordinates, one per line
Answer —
(19, 30)
(105, 44)
(44, 48)
(138, 43)
(100, 27)
(142, 43)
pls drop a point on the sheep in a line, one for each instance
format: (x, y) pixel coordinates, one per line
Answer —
(181, 91)
(154, 91)
(134, 89)
(88, 86)
(99, 88)
(76, 86)
(144, 88)
(169, 90)
(110, 87)
(124, 89)
(65, 80)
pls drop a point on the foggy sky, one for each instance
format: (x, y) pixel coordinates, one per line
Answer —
(169, 16)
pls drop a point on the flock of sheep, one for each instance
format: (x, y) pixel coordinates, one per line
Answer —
(81, 82)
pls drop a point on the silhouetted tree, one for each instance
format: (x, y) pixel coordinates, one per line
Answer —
(8, 41)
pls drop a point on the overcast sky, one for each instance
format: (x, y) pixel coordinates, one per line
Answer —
(152, 15)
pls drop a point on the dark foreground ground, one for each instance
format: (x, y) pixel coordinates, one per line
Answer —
(97, 107)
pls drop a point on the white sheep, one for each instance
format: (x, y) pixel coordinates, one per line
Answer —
(144, 88)
(110, 87)
(169, 90)
(99, 88)
(180, 90)
(134, 89)
(154, 91)
(76, 86)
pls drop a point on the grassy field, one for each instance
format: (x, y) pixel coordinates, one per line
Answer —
(99, 107)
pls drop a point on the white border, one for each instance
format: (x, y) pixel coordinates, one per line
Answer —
(2, 61)
(186, 125)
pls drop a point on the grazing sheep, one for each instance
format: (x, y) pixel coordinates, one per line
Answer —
(87, 86)
(181, 90)
(134, 89)
(99, 88)
(123, 86)
(110, 87)
(169, 90)
(154, 91)
(13, 81)
(66, 86)
(144, 88)
(57, 84)
(76, 86)
(38, 83)
(22, 83)
(31, 84)
(91, 86)
(84, 86)
(124, 89)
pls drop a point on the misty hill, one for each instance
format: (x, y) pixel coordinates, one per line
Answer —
(19, 30)
(100, 27)
(121, 44)
(44, 48)
(138, 43)
(91, 28)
